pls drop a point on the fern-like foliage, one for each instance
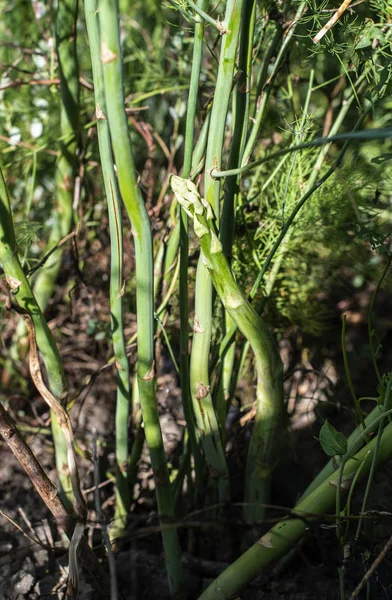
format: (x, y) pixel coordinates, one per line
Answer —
(341, 228)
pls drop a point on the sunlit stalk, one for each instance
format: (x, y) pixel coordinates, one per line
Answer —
(112, 67)
(206, 419)
(184, 246)
(240, 114)
(116, 277)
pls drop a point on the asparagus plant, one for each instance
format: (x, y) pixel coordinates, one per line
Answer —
(116, 276)
(110, 55)
(206, 418)
(268, 362)
(66, 20)
(240, 113)
(184, 245)
(22, 292)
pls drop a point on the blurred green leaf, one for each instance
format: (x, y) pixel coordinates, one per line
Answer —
(332, 442)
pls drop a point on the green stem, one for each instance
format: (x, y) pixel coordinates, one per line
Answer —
(366, 135)
(138, 436)
(268, 362)
(240, 113)
(24, 296)
(116, 277)
(240, 124)
(357, 405)
(374, 461)
(171, 256)
(267, 87)
(133, 202)
(198, 156)
(184, 247)
(199, 9)
(371, 332)
(158, 265)
(66, 19)
(206, 418)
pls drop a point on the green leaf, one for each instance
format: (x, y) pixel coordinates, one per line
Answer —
(364, 42)
(332, 442)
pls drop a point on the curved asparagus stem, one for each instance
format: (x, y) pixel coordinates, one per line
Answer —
(268, 362)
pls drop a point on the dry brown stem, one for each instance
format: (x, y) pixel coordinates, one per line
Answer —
(50, 496)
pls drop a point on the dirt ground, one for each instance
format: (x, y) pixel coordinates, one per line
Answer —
(33, 557)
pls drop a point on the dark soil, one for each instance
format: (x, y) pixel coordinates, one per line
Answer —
(33, 556)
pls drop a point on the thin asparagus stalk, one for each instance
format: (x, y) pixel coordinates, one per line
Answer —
(171, 255)
(365, 135)
(184, 247)
(198, 156)
(21, 290)
(116, 277)
(240, 112)
(206, 419)
(138, 436)
(267, 88)
(240, 124)
(118, 126)
(66, 18)
(158, 264)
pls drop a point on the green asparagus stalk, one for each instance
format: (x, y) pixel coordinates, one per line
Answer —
(66, 19)
(206, 418)
(268, 362)
(21, 290)
(184, 246)
(112, 68)
(240, 113)
(116, 277)
(158, 264)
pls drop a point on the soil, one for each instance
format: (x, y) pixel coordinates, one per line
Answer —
(33, 555)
